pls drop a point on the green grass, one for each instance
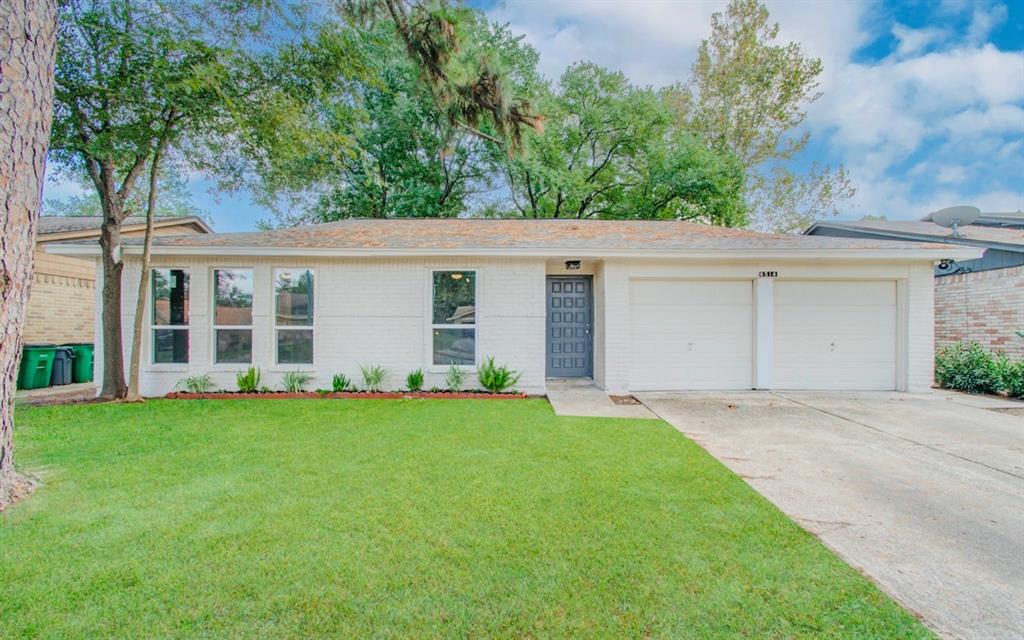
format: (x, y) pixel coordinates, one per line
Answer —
(415, 519)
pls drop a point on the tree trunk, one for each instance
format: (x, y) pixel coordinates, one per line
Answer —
(140, 303)
(110, 314)
(27, 46)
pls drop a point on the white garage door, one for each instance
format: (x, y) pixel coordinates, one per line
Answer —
(835, 335)
(691, 334)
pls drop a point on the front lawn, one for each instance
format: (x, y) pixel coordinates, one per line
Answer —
(411, 519)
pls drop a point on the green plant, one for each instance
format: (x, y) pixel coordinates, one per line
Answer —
(248, 381)
(197, 384)
(340, 382)
(1012, 377)
(414, 381)
(497, 379)
(295, 381)
(967, 368)
(374, 376)
(455, 378)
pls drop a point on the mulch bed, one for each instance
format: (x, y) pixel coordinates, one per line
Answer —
(348, 395)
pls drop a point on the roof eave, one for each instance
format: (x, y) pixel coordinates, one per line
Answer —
(908, 236)
(900, 254)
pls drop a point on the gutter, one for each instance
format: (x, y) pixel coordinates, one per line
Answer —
(901, 254)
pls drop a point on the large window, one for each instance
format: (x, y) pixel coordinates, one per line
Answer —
(293, 315)
(232, 315)
(454, 317)
(170, 316)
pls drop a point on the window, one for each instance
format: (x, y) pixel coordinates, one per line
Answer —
(232, 315)
(170, 316)
(454, 317)
(293, 315)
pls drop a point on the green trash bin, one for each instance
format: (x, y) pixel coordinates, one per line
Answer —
(36, 366)
(81, 370)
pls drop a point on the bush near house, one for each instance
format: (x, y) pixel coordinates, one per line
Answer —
(497, 379)
(970, 368)
(248, 381)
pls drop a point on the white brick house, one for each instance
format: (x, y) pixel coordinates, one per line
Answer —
(634, 305)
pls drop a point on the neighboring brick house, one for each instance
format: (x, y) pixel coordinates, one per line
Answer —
(975, 300)
(62, 306)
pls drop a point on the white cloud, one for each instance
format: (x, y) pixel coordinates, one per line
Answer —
(913, 41)
(983, 20)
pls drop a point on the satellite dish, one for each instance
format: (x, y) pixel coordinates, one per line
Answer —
(956, 217)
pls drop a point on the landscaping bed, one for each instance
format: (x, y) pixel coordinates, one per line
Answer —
(347, 395)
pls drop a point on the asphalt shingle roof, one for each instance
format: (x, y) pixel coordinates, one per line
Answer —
(932, 231)
(473, 233)
(67, 224)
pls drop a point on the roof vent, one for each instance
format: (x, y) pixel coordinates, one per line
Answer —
(955, 217)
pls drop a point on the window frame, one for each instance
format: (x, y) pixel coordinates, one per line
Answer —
(151, 328)
(293, 366)
(214, 327)
(431, 326)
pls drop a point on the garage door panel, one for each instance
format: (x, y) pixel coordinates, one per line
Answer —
(688, 334)
(835, 335)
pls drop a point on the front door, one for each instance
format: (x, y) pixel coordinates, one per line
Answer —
(570, 327)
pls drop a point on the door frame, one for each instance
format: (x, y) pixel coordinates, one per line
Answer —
(547, 326)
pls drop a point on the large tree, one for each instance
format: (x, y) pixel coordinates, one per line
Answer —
(750, 96)
(612, 150)
(27, 43)
(138, 78)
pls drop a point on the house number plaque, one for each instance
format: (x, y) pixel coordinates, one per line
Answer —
(767, 274)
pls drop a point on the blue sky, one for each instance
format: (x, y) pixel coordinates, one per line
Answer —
(923, 101)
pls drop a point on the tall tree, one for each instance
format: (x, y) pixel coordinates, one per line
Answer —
(27, 43)
(138, 77)
(173, 197)
(612, 150)
(751, 95)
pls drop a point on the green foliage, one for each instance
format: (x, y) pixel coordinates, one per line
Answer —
(748, 95)
(967, 368)
(497, 379)
(455, 378)
(295, 381)
(374, 376)
(414, 381)
(197, 384)
(174, 198)
(249, 380)
(612, 150)
(1011, 377)
(340, 382)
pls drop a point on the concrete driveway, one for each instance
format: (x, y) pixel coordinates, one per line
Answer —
(923, 493)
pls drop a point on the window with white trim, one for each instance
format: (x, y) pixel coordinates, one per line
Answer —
(453, 322)
(170, 316)
(232, 316)
(293, 315)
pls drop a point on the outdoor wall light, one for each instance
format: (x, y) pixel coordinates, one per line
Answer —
(572, 265)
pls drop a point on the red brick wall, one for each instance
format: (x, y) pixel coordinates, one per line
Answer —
(985, 307)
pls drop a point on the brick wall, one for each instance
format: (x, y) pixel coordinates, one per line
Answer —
(985, 307)
(62, 303)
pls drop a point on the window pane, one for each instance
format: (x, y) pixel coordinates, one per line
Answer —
(454, 297)
(454, 345)
(295, 346)
(234, 297)
(170, 345)
(170, 297)
(294, 293)
(234, 345)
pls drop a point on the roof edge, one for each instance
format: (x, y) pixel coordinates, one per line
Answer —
(932, 253)
(910, 236)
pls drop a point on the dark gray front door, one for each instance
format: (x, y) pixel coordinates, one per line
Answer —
(570, 350)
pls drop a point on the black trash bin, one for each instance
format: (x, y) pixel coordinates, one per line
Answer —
(61, 373)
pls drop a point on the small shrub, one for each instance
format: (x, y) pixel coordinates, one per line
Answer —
(265, 389)
(295, 381)
(249, 381)
(497, 379)
(1013, 378)
(197, 384)
(967, 368)
(455, 378)
(414, 381)
(374, 376)
(340, 382)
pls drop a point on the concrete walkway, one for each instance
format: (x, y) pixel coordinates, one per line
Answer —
(62, 394)
(923, 493)
(582, 398)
